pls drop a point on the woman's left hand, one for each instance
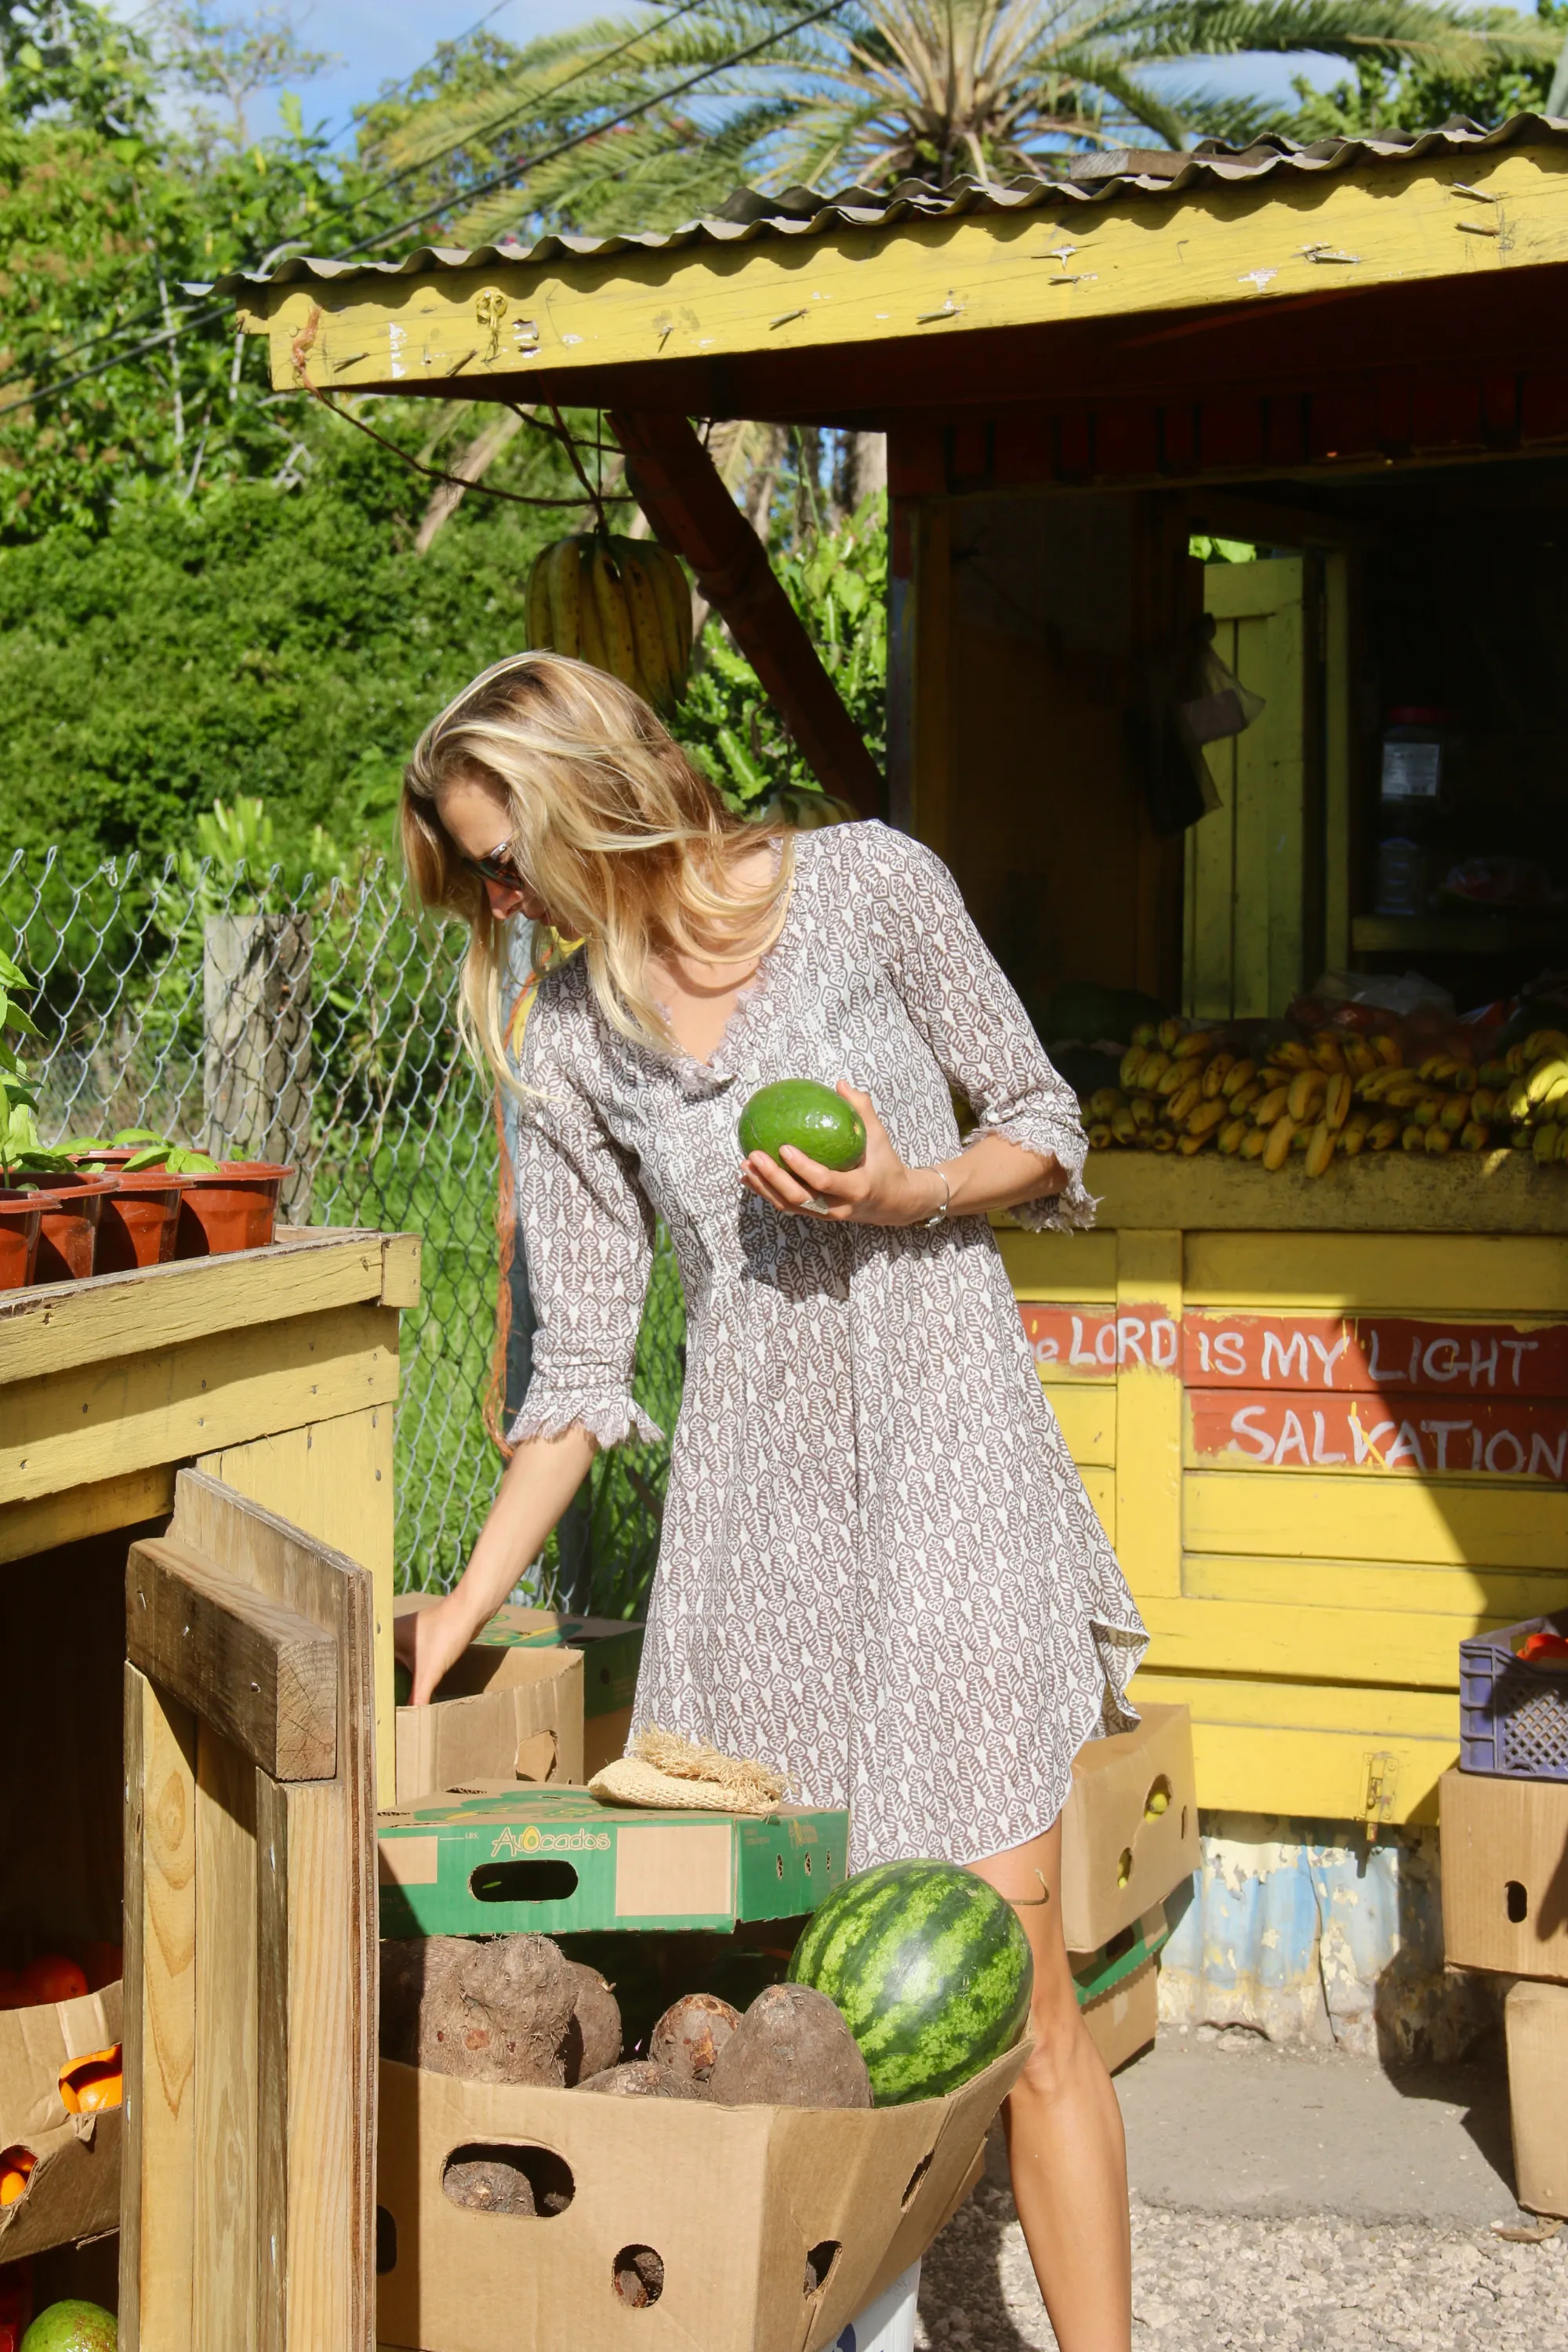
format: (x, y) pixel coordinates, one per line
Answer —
(880, 1192)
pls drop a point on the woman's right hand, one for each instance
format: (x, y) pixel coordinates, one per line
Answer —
(428, 1641)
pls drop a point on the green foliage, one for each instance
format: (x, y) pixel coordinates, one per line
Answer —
(838, 583)
(18, 1127)
(1419, 93)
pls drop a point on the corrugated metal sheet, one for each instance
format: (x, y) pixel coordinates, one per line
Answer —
(1159, 173)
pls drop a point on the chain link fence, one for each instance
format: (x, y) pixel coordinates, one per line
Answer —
(314, 1024)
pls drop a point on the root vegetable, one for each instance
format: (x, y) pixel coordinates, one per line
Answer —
(594, 2037)
(792, 2049)
(690, 2036)
(639, 2078)
(487, 2186)
(494, 2010)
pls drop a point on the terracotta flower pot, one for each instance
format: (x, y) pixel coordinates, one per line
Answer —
(110, 1160)
(141, 1221)
(20, 1216)
(67, 1237)
(235, 1209)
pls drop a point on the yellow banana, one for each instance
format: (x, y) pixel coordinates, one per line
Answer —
(614, 616)
(1455, 1113)
(1517, 1099)
(1161, 1139)
(1295, 1056)
(1104, 1101)
(1360, 1059)
(1154, 1068)
(1253, 1144)
(1516, 1061)
(1306, 1094)
(1495, 1073)
(1386, 1048)
(1183, 1102)
(1100, 1136)
(1438, 1140)
(1425, 1112)
(1544, 1141)
(1231, 1137)
(1130, 1067)
(1142, 1110)
(1183, 1072)
(1245, 1096)
(563, 582)
(1145, 1035)
(1337, 1101)
(1543, 1042)
(1383, 1135)
(1414, 1138)
(1436, 1068)
(648, 628)
(1124, 1127)
(1477, 1135)
(1271, 1108)
(1328, 1055)
(1277, 1150)
(1482, 1103)
(1543, 1077)
(1216, 1072)
(1205, 1117)
(1170, 1032)
(1240, 1074)
(1352, 1135)
(1320, 1148)
(1189, 1143)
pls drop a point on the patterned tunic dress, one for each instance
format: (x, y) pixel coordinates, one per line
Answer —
(879, 1570)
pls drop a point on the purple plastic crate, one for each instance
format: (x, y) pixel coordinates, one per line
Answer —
(1514, 1717)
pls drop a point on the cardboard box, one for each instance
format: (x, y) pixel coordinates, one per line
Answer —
(1125, 2020)
(501, 1715)
(557, 1861)
(73, 2191)
(1536, 2018)
(731, 2199)
(1118, 1856)
(520, 1647)
(1505, 1874)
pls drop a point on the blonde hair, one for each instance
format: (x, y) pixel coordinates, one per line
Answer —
(611, 826)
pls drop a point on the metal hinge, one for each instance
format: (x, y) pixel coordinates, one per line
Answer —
(1382, 1781)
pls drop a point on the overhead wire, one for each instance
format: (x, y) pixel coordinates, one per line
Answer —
(513, 171)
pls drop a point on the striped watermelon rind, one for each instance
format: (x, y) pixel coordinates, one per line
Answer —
(932, 1969)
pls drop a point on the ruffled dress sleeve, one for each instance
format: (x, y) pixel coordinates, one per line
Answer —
(588, 1237)
(967, 1010)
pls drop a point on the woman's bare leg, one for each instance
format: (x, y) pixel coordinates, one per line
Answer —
(1065, 2142)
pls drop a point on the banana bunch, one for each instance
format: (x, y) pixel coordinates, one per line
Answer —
(1330, 1095)
(622, 604)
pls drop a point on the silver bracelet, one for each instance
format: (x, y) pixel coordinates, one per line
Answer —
(941, 1216)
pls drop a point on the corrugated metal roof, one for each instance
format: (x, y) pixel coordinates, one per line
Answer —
(749, 215)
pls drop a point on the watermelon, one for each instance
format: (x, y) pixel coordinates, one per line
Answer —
(930, 1968)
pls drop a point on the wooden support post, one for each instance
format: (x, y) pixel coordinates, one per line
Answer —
(681, 492)
(256, 1006)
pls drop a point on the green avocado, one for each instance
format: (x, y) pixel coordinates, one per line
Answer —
(73, 2326)
(814, 1118)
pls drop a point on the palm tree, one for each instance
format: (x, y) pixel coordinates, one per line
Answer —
(882, 91)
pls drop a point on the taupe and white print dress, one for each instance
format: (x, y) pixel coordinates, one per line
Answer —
(878, 1571)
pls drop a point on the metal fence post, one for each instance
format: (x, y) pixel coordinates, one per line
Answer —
(256, 1069)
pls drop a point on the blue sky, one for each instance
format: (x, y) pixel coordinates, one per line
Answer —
(382, 41)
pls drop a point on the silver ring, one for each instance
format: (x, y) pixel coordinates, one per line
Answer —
(816, 1206)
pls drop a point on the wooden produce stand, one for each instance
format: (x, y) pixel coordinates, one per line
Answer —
(188, 1749)
(1353, 356)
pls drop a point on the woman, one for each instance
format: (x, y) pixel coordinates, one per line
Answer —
(878, 1569)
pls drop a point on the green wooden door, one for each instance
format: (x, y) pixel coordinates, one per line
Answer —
(1243, 931)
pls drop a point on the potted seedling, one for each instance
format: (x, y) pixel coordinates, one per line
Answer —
(40, 1191)
(223, 1205)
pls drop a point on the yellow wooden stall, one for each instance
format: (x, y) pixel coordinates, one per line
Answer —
(1354, 358)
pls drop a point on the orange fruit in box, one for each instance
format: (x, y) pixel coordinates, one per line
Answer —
(90, 2085)
(11, 1994)
(52, 1977)
(15, 2166)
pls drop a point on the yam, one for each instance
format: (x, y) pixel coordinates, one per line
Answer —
(639, 2078)
(640, 2276)
(792, 2049)
(594, 2037)
(487, 2185)
(493, 2010)
(691, 2034)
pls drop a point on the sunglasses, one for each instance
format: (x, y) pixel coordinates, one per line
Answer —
(500, 868)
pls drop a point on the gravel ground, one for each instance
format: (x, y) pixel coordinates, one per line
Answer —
(1202, 2283)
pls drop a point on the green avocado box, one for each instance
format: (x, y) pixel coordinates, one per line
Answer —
(556, 1861)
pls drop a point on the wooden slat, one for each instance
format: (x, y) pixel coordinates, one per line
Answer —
(78, 1511)
(159, 2146)
(331, 1589)
(1149, 1424)
(113, 1315)
(223, 2235)
(1275, 1637)
(1381, 1191)
(1466, 1597)
(1504, 1523)
(332, 1479)
(1099, 1485)
(311, 2006)
(400, 1257)
(1085, 1413)
(176, 1401)
(919, 281)
(262, 1675)
(1070, 1266)
(1397, 1273)
(1250, 1758)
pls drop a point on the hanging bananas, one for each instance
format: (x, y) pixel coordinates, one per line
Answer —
(622, 604)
